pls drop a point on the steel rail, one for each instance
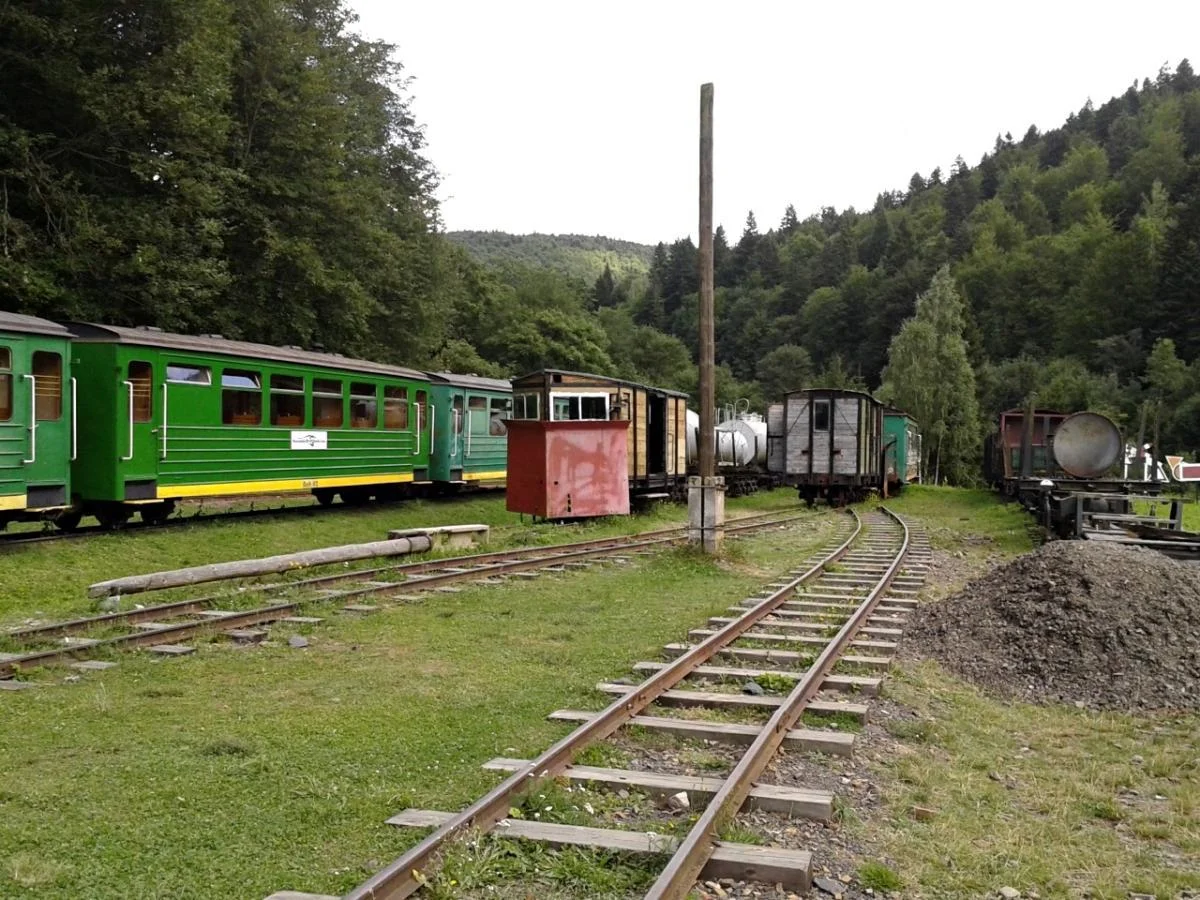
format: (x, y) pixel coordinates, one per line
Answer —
(183, 630)
(406, 874)
(182, 607)
(690, 857)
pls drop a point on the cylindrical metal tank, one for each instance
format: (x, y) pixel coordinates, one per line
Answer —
(1087, 444)
(751, 449)
(692, 420)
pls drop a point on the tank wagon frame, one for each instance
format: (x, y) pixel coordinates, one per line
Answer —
(1021, 462)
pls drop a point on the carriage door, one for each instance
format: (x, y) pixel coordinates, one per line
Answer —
(49, 426)
(456, 447)
(138, 441)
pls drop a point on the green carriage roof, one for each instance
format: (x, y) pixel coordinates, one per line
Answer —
(215, 344)
(23, 324)
(478, 382)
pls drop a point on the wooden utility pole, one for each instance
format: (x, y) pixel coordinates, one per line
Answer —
(707, 412)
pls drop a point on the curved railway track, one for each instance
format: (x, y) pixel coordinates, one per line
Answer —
(849, 600)
(166, 624)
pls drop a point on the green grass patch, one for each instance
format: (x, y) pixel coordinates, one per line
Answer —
(241, 771)
(1042, 798)
(962, 518)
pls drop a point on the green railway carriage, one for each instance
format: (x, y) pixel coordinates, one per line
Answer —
(470, 439)
(37, 426)
(901, 448)
(166, 416)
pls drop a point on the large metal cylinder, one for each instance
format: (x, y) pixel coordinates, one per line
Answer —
(1087, 444)
(749, 448)
(692, 420)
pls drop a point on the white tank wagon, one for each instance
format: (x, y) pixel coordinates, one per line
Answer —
(743, 442)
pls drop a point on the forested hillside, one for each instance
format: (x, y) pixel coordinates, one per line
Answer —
(574, 255)
(252, 167)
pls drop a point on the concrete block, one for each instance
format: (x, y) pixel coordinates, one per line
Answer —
(706, 512)
(451, 537)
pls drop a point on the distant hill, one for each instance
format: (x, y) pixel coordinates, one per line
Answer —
(576, 255)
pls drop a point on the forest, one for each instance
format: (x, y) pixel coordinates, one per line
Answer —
(253, 168)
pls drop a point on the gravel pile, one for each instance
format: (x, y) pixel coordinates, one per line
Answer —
(1099, 625)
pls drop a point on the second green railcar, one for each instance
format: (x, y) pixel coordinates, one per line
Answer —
(167, 416)
(470, 439)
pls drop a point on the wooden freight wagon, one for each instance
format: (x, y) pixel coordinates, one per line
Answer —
(164, 416)
(37, 418)
(657, 436)
(833, 444)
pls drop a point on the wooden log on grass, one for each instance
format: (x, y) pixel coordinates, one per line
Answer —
(249, 568)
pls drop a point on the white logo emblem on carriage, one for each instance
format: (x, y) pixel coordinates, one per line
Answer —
(310, 440)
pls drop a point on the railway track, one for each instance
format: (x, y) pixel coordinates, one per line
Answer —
(162, 627)
(832, 627)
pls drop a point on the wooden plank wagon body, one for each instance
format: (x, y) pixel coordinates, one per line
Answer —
(656, 433)
(833, 443)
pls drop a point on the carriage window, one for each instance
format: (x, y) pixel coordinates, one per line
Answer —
(364, 407)
(141, 377)
(527, 406)
(189, 375)
(6, 391)
(576, 407)
(395, 408)
(241, 397)
(422, 410)
(496, 426)
(287, 400)
(477, 417)
(47, 370)
(328, 409)
(820, 415)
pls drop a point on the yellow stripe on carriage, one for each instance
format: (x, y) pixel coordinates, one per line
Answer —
(13, 501)
(225, 489)
(485, 476)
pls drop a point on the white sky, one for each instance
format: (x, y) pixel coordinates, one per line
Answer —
(565, 117)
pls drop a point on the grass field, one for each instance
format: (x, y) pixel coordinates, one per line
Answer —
(237, 772)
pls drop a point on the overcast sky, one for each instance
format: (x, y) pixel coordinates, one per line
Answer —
(568, 117)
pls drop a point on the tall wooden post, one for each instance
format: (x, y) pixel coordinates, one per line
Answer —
(707, 352)
(706, 492)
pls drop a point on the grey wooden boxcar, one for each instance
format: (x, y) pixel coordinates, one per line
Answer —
(832, 444)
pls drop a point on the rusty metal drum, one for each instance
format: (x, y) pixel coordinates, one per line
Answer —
(1087, 444)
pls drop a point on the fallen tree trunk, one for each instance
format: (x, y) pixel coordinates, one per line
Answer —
(248, 568)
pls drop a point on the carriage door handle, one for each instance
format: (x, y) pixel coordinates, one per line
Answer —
(164, 429)
(129, 392)
(32, 420)
(74, 421)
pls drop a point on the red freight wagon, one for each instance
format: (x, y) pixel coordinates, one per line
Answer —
(568, 469)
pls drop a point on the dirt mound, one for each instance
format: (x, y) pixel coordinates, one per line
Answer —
(1099, 625)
